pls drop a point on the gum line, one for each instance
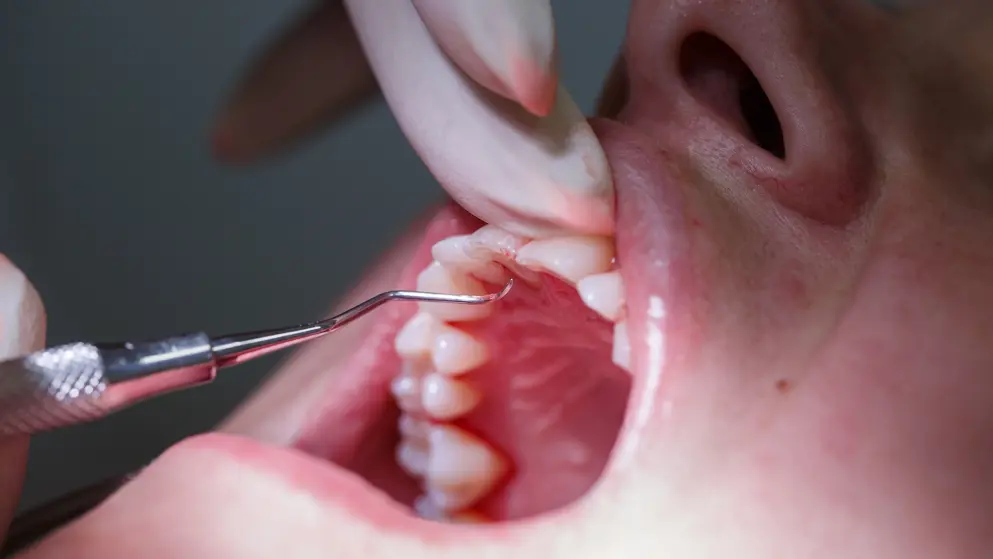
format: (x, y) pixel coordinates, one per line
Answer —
(455, 468)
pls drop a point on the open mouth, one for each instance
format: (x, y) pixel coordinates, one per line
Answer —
(475, 414)
(512, 410)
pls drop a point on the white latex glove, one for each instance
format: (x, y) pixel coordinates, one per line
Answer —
(474, 87)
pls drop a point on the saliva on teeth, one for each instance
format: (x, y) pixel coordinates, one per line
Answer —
(455, 468)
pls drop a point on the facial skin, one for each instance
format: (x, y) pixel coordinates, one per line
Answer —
(823, 386)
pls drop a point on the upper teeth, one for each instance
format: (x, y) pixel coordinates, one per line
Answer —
(457, 468)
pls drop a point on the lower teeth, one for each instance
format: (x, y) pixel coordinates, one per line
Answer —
(458, 469)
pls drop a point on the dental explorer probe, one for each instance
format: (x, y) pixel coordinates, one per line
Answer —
(80, 382)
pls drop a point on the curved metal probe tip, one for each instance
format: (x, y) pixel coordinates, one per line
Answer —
(420, 296)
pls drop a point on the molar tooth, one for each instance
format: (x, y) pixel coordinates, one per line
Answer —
(412, 458)
(436, 278)
(622, 346)
(603, 293)
(461, 468)
(454, 351)
(445, 398)
(416, 337)
(453, 254)
(569, 258)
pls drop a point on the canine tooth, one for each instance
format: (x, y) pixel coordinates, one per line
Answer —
(454, 351)
(412, 458)
(603, 293)
(446, 398)
(622, 346)
(412, 428)
(416, 337)
(406, 389)
(452, 253)
(569, 258)
(461, 468)
(438, 279)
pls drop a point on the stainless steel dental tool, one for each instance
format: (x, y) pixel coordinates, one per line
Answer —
(79, 382)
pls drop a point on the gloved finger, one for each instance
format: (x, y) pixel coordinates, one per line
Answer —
(312, 74)
(22, 330)
(508, 46)
(533, 176)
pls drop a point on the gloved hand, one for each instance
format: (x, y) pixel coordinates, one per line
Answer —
(531, 164)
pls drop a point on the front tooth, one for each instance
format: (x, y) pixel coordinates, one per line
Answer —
(412, 458)
(436, 278)
(417, 336)
(445, 398)
(622, 346)
(569, 258)
(452, 253)
(461, 468)
(603, 293)
(454, 352)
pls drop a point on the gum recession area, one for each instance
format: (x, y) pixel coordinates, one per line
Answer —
(553, 402)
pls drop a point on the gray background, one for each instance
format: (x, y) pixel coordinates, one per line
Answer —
(111, 204)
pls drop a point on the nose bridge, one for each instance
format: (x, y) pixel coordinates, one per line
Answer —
(746, 84)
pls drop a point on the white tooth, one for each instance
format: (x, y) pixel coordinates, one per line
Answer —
(417, 336)
(569, 258)
(462, 469)
(603, 293)
(495, 244)
(506, 46)
(622, 346)
(412, 458)
(413, 429)
(436, 278)
(406, 389)
(452, 253)
(427, 510)
(445, 398)
(455, 352)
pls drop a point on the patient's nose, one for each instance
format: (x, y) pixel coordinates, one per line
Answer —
(747, 87)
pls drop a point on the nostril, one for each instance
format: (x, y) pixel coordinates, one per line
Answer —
(720, 80)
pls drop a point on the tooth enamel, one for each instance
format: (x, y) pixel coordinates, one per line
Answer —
(412, 458)
(454, 351)
(417, 336)
(452, 253)
(461, 468)
(436, 278)
(603, 293)
(412, 428)
(622, 346)
(406, 389)
(569, 258)
(445, 398)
